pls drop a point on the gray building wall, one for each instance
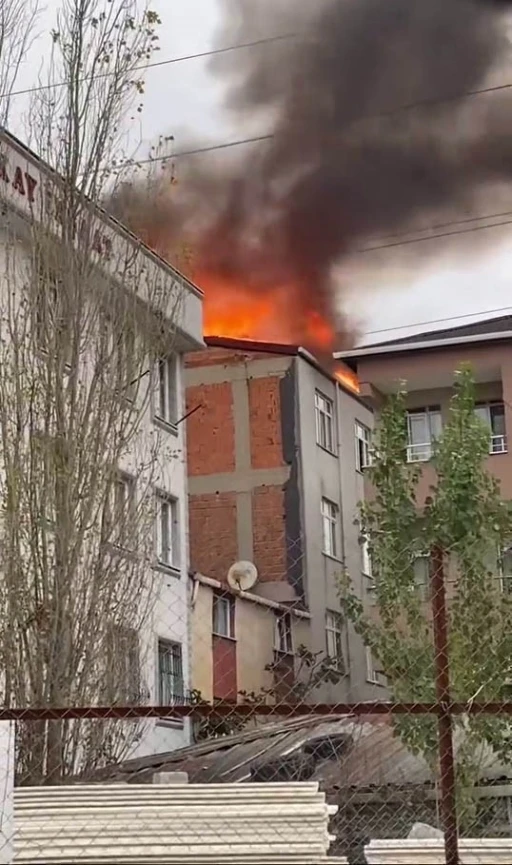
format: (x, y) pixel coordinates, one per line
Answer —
(333, 476)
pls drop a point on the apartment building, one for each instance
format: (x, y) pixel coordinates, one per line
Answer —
(276, 447)
(427, 362)
(162, 646)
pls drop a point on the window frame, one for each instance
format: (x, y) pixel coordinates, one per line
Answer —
(423, 589)
(174, 564)
(125, 643)
(500, 439)
(372, 677)
(334, 626)
(119, 534)
(283, 634)
(229, 603)
(428, 412)
(505, 579)
(49, 316)
(330, 520)
(165, 408)
(363, 443)
(165, 648)
(325, 420)
(124, 345)
(366, 559)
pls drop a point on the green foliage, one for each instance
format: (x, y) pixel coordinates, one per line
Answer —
(465, 517)
(311, 670)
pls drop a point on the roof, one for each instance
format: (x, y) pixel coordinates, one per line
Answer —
(486, 330)
(502, 323)
(342, 752)
(287, 349)
(236, 344)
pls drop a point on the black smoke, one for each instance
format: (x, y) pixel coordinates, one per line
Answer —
(368, 131)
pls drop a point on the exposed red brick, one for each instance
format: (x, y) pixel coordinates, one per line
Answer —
(210, 429)
(216, 357)
(228, 356)
(269, 532)
(213, 533)
(265, 419)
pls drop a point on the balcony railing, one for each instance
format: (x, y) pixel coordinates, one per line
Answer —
(422, 452)
(419, 453)
(498, 444)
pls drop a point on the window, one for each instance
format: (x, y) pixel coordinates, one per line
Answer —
(122, 510)
(421, 569)
(122, 674)
(125, 363)
(324, 414)
(334, 639)
(284, 637)
(49, 317)
(423, 428)
(366, 564)
(371, 673)
(167, 531)
(171, 687)
(166, 401)
(330, 528)
(363, 447)
(505, 570)
(223, 624)
(493, 415)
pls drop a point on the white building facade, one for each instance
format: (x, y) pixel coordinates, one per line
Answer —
(164, 641)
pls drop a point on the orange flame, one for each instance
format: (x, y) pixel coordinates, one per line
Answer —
(235, 310)
(348, 378)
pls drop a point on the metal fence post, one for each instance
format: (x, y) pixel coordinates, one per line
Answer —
(442, 667)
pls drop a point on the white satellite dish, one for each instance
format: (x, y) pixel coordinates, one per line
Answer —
(242, 576)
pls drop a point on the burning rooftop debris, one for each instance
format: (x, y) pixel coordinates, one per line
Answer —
(367, 131)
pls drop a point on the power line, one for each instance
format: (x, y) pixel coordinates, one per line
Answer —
(365, 249)
(207, 149)
(154, 65)
(438, 320)
(438, 225)
(400, 109)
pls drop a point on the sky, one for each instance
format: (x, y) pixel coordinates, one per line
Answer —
(380, 290)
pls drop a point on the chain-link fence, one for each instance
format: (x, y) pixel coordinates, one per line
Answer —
(255, 750)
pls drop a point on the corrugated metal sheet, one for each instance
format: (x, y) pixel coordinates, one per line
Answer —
(182, 823)
(367, 754)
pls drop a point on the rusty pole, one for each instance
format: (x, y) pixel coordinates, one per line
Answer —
(442, 666)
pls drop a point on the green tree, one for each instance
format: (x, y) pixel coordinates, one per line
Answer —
(465, 518)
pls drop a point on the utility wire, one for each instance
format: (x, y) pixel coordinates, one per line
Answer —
(366, 249)
(438, 320)
(238, 142)
(154, 65)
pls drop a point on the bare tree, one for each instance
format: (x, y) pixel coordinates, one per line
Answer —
(18, 19)
(86, 315)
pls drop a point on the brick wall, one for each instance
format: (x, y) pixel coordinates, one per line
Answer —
(211, 450)
(269, 533)
(210, 429)
(213, 536)
(265, 421)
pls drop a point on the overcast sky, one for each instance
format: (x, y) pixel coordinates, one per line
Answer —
(381, 289)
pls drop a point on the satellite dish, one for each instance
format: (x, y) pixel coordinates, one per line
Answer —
(242, 576)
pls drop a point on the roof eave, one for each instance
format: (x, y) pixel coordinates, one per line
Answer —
(354, 355)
